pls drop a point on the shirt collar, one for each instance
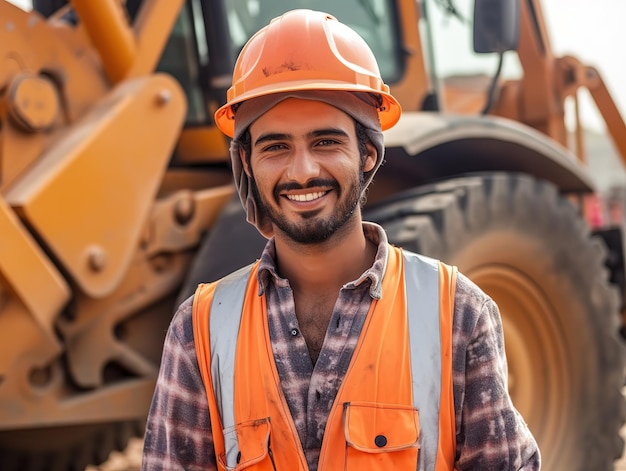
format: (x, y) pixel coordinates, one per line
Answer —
(373, 232)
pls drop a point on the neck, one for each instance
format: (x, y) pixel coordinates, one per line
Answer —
(329, 265)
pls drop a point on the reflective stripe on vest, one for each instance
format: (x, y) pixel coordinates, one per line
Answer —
(425, 345)
(423, 298)
(224, 327)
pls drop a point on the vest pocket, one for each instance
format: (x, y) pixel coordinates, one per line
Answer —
(247, 444)
(380, 436)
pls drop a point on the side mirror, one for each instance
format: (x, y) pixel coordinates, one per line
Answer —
(496, 25)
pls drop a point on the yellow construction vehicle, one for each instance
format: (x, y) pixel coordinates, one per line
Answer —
(116, 198)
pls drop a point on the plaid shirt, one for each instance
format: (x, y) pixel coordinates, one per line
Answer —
(490, 432)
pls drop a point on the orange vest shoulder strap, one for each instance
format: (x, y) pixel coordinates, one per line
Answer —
(416, 270)
(200, 316)
(447, 421)
(205, 298)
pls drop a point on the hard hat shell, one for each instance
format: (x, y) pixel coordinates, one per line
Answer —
(306, 50)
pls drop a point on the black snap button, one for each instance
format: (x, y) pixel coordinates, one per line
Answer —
(380, 441)
(238, 457)
(294, 332)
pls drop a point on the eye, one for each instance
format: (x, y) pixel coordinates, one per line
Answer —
(273, 147)
(327, 142)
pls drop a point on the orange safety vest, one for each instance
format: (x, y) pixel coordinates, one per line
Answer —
(395, 407)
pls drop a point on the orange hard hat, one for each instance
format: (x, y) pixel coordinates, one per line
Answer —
(306, 50)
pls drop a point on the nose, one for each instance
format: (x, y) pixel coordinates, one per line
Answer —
(303, 166)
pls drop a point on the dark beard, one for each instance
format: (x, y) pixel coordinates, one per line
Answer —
(311, 229)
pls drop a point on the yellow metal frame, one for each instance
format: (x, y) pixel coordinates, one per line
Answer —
(128, 51)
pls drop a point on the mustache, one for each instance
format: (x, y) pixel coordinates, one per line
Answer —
(316, 182)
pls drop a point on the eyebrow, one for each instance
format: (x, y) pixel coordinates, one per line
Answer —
(316, 133)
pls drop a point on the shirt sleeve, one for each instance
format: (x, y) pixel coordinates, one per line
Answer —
(178, 431)
(491, 434)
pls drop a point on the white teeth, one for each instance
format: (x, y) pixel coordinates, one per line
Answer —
(307, 197)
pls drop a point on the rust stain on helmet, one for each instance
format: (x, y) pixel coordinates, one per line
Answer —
(285, 66)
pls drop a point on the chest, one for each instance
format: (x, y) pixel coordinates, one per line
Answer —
(314, 314)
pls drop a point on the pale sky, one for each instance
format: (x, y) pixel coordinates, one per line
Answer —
(593, 31)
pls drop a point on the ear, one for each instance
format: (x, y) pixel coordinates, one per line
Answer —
(371, 157)
(244, 161)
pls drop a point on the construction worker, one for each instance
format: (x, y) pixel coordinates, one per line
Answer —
(335, 350)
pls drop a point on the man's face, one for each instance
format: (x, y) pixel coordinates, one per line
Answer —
(307, 174)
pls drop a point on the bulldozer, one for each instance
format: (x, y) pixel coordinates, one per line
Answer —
(116, 200)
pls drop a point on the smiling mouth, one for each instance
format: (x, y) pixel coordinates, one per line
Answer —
(306, 197)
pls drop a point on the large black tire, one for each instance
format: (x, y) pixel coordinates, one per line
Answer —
(529, 249)
(64, 448)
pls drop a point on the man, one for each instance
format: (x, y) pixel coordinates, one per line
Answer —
(335, 350)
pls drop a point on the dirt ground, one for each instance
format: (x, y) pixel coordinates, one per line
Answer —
(621, 464)
(130, 460)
